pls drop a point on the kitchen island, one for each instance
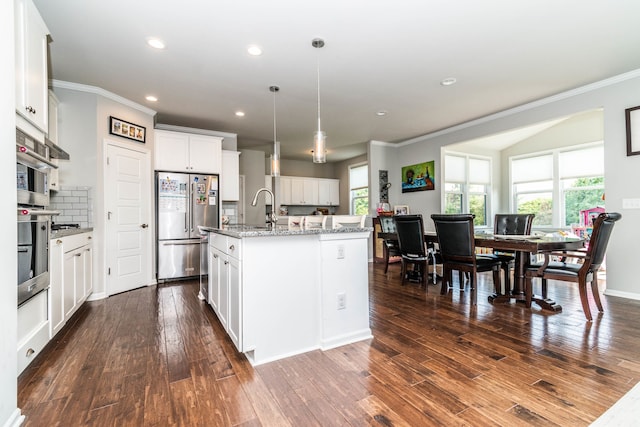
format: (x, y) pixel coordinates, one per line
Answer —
(285, 291)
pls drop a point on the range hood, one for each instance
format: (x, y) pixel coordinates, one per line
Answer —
(55, 152)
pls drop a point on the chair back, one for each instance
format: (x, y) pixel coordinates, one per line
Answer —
(387, 224)
(512, 224)
(602, 228)
(294, 221)
(315, 221)
(347, 221)
(455, 237)
(410, 231)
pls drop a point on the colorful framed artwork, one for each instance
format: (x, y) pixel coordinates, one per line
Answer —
(418, 177)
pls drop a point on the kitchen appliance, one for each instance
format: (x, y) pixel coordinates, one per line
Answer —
(184, 202)
(33, 251)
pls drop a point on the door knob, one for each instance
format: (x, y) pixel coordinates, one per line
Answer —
(144, 225)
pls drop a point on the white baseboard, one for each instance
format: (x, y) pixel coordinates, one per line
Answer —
(628, 295)
(16, 419)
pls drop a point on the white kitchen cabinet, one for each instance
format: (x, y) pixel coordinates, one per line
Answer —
(32, 97)
(225, 284)
(71, 272)
(284, 187)
(230, 176)
(185, 152)
(328, 192)
(304, 191)
(33, 329)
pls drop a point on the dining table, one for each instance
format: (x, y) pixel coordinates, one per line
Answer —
(522, 246)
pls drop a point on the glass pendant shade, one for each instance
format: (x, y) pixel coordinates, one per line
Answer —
(275, 160)
(319, 147)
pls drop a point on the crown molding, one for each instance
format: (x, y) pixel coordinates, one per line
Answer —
(105, 93)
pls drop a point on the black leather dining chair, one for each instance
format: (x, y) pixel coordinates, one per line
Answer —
(581, 273)
(458, 251)
(413, 248)
(390, 247)
(509, 224)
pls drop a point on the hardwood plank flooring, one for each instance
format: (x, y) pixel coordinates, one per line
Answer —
(158, 356)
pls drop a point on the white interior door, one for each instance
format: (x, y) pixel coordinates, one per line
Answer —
(128, 233)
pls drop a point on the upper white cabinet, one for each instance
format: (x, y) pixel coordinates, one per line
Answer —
(54, 181)
(308, 191)
(329, 192)
(185, 152)
(32, 97)
(230, 175)
(304, 191)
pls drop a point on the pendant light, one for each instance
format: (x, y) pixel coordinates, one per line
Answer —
(319, 138)
(275, 157)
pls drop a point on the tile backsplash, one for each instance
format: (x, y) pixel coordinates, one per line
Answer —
(75, 205)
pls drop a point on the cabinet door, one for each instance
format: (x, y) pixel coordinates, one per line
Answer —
(32, 100)
(223, 303)
(215, 261)
(285, 196)
(297, 191)
(171, 151)
(230, 175)
(87, 260)
(234, 322)
(78, 265)
(205, 154)
(56, 270)
(69, 284)
(310, 191)
(329, 192)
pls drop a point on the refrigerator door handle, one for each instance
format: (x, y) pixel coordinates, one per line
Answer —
(192, 205)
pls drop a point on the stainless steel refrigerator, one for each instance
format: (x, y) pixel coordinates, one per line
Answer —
(184, 201)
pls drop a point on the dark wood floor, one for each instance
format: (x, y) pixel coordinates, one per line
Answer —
(157, 356)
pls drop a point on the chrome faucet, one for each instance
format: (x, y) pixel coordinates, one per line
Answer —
(273, 219)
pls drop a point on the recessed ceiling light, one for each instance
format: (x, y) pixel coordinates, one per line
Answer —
(240, 113)
(381, 113)
(254, 50)
(151, 98)
(448, 81)
(156, 43)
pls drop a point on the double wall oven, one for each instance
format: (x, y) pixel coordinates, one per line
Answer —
(33, 216)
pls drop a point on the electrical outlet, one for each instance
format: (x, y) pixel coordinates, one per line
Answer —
(340, 251)
(342, 301)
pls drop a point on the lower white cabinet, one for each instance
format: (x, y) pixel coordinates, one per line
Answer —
(33, 329)
(225, 284)
(71, 272)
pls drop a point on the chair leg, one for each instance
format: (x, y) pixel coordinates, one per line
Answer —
(425, 273)
(403, 271)
(386, 260)
(496, 280)
(461, 278)
(596, 291)
(582, 286)
(544, 288)
(446, 278)
(507, 279)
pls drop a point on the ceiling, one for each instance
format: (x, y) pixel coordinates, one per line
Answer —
(378, 56)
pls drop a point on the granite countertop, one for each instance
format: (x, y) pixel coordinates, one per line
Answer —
(240, 231)
(56, 234)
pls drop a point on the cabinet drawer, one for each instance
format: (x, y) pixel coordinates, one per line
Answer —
(75, 241)
(33, 329)
(234, 248)
(218, 241)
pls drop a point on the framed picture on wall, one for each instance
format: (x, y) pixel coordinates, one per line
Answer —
(632, 119)
(418, 177)
(128, 130)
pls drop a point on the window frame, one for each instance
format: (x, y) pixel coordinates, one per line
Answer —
(465, 186)
(352, 199)
(558, 192)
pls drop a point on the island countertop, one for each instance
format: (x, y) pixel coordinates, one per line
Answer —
(242, 231)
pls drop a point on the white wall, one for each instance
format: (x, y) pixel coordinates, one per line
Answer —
(253, 168)
(621, 172)
(9, 412)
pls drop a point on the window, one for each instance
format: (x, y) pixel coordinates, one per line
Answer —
(359, 189)
(556, 186)
(467, 186)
